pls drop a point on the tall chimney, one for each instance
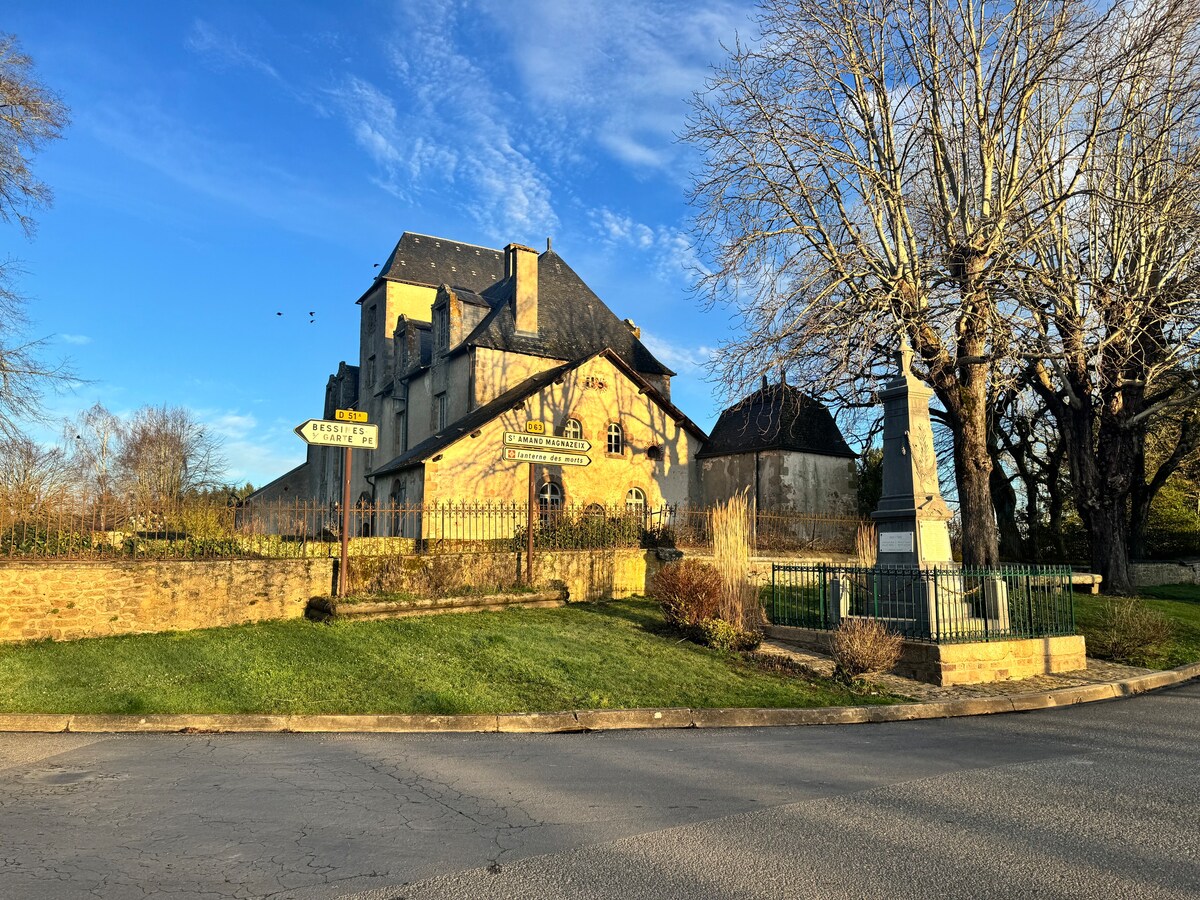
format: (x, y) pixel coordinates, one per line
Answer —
(521, 265)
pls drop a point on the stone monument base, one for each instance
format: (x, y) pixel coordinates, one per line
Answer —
(979, 662)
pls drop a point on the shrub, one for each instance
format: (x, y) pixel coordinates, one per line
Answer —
(36, 539)
(1126, 631)
(861, 647)
(689, 591)
(720, 635)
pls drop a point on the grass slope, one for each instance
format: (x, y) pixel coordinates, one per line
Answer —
(1178, 602)
(583, 656)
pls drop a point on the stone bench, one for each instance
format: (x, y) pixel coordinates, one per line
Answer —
(1088, 580)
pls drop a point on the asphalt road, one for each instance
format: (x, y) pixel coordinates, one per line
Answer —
(1096, 801)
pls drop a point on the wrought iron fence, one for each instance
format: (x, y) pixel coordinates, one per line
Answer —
(204, 529)
(942, 605)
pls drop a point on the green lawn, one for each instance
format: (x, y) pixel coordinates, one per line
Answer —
(582, 656)
(1178, 602)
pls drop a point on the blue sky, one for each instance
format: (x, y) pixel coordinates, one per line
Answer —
(229, 161)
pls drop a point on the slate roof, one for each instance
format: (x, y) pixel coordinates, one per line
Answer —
(425, 259)
(480, 416)
(573, 323)
(776, 417)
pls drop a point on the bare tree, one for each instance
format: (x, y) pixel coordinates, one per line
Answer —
(94, 439)
(33, 480)
(1110, 295)
(30, 117)
(873, 171)
(167, 454)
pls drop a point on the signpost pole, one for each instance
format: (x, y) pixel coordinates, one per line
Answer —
(344, 568)
(529, 529)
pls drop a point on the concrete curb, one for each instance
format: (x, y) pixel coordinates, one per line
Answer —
(596, 719)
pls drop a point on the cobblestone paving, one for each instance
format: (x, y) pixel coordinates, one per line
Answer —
(1097, 672)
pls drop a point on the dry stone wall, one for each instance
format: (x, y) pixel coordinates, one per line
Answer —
(67, 600)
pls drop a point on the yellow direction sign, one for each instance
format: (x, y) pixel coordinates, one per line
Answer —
(544, 457)
(546, 442)
(535, 427)
(339, 434)
(349, 415)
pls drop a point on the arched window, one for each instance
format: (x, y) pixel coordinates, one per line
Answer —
(572, 429)
(550, 497)
(594, 511)
(635, 501)
(616, 439)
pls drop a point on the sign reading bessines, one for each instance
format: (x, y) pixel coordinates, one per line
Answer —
(339, 434)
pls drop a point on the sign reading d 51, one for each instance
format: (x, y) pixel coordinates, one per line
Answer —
(349, 415)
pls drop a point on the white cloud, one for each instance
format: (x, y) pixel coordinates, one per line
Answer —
(684, 360)
(453, 142)
(75, 339)
(621, 69)
(224, 171)
(669, 249)
(224, 49)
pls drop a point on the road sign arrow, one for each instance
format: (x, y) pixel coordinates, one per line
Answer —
(327, 433)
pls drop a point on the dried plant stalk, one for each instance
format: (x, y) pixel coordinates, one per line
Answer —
(731, 531)
(866, 544)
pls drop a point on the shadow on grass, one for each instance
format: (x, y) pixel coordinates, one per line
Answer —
(637, 611)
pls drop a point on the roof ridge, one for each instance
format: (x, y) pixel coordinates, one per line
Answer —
(435, 237)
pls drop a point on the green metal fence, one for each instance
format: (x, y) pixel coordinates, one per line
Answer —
(942, 605)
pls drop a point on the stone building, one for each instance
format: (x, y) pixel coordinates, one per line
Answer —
(785, 448)
(459, 344)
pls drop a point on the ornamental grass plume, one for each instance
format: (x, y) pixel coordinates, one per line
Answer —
(730, 528)
(866, 544)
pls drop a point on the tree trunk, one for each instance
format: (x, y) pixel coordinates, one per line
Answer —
(1004, 501)
(972, 474)
(1110, 547)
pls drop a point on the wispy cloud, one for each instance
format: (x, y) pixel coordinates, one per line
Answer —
(684, 360)
(75, 339)
(224, 49)
(256, 452)
(224, 171)
(621, 69)
(440, 127)
(669, 249)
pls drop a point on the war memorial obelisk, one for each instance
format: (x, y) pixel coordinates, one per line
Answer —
(911, 516)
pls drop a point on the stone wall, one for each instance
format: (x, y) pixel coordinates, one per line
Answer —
(586, 574)
(66, 600)
(974, 663)
(1148, 574)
